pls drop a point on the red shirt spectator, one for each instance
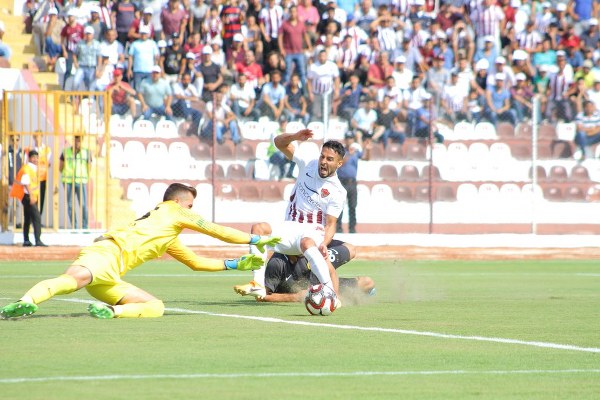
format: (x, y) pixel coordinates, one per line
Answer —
(380, 71)
(72, 34)
(251, 69)
(292, 34)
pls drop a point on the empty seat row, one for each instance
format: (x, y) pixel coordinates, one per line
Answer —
(125, 127)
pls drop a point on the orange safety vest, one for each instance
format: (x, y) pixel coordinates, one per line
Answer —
(43, 153)
(18, 190)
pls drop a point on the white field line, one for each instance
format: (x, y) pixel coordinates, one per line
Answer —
(290, 375)
(555, 346)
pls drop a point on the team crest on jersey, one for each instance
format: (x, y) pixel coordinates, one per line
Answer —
(324, 192)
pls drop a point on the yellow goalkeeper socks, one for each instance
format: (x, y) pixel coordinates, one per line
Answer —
(149, 309)
(44, 290)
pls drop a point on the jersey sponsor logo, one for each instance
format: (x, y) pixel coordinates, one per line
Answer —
(324, 192)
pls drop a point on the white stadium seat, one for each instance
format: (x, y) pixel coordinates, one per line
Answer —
(464, 131)
(143, 128)
(318, 129)
(294, 126)
(251, 130)
(120, 127)
(166, 129)
(485, 130)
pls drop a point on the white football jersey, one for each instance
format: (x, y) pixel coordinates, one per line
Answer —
(313, 197)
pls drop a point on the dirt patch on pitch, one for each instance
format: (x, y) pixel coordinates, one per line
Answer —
(69, 253)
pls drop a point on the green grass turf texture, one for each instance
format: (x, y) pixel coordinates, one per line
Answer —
(549, 301)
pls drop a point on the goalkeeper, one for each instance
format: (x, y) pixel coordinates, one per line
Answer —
(99, 267)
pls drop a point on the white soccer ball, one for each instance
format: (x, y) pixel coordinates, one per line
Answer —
(320, 300)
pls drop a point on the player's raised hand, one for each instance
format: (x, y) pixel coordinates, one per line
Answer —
(304, 134)
(266, 241)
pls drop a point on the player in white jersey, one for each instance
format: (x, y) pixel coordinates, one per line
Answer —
(315, 204)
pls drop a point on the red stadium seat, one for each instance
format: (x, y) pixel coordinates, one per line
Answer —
(219, 172)
(409, 173)
(388, 172)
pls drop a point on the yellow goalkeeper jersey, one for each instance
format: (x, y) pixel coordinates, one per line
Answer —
(157, 232)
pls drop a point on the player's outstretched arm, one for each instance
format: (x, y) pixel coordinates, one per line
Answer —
(261, 241)
(190, 259)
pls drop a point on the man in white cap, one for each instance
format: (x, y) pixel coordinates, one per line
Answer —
(236, 52)
(86, 59)
(71, 35)
(498, 105)
(488, 52)
(5, 51)
(156, 95)
(138, 23)
(521, 95)
(81, 10)
(501, 67)
(402, 75)
(211, 74)
(143, 56)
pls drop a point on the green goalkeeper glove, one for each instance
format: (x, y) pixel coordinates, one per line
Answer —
(245, 263)
(261, 241)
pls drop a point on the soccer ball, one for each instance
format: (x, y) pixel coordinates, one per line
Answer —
(320, 301)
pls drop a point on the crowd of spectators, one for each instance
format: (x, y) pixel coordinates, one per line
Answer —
(378, 64)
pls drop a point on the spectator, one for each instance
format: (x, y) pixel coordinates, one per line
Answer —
(474, 109)
(217, 56)
(212, 26)
(174, 19)
(104, 74)
(588, 129)
(75, 162)
(349, 98)
(143, 56)
(226, 121)
(413, 102)
(273, 62)
(591, 36)
(233, 18)
(272, 97)
(277, 158)
(211, 74)
(388, 125)
(530, 39)
(122, 95)
(270, 19)
(71, 35)
(85, 59)
(26, 188)
(81, 11)
(193, 45)
(594, 93)
(52, 38)
(145, 21)
(463, 45)
(251, 69)
(521, 95)
(184, 93)
(521, 63)
(309, 16)
(198, 12)
(252, 37)
(586, 73)
(481, 80)
(114, 48)
(425, 121)
(501, 68)
(16, 156)
(454, 100)
(385, 33)
(391, 91)
(173, 59)
(577, 95)
(347, 174)
(402, 75)
(346, 58)
(365, 15)
(40, 21)
(498, 105)
(363, 121)
(236, 52)
(243, 99)
(323, 81)
(558, 105)
(156, 95)
(488, 52)
(488, 20)
(123, 15)
(96, 23)
(292, 35)
(329, 18)
(105, 12)
(379, 71)
(295, 105)
(437, 77)
(356, 33)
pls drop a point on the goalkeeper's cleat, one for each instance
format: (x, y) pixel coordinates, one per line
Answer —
(18, 309)
(251, 289)
(101, 311)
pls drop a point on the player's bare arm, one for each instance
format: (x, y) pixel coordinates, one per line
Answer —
(284, 141)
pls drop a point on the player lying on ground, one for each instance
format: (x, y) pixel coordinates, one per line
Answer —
(315, 204)
(288, 277)
(100, 266)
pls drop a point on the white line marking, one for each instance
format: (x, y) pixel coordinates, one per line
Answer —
(556, 346)
(291, 375)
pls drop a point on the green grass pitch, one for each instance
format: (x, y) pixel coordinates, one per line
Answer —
(436, 330)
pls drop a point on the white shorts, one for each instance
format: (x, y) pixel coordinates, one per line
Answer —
(291, 233)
